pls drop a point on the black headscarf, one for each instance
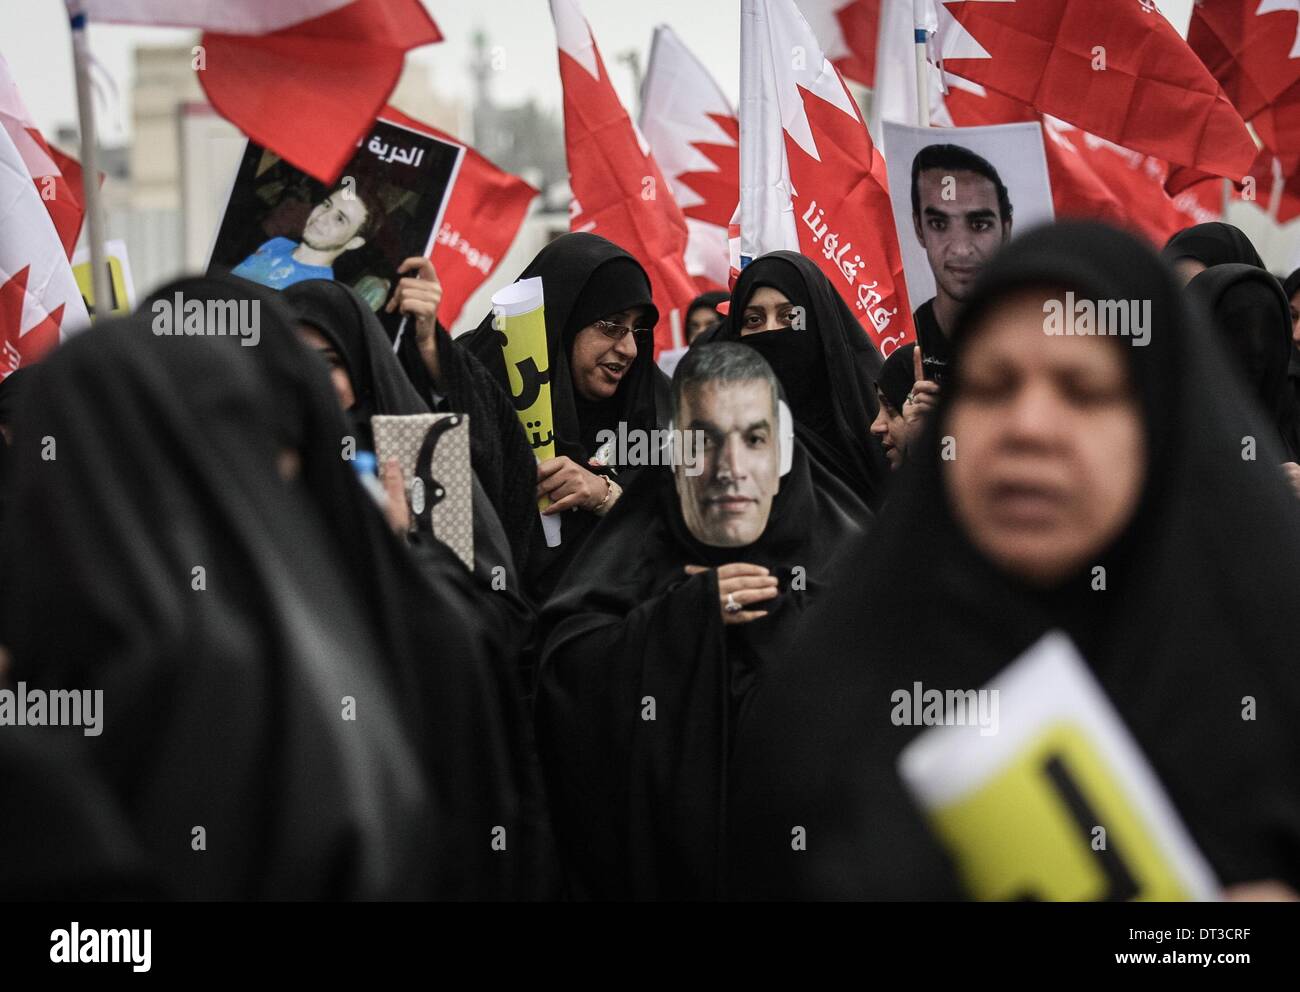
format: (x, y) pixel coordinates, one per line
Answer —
(347, 322)
(640, 805)
(1253, 318)
(897, 377)
(584, 278)
(1196, 615)
(709, 300)
(1291, 285)
(1213, 244)
(224, 704)
(827, 370)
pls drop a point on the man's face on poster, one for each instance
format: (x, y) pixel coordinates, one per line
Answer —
(334, 223)
(959, 226)
(727, 504)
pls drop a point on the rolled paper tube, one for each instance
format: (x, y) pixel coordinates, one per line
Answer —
(519, 318)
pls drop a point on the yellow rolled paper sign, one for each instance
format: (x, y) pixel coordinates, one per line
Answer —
(519, 319)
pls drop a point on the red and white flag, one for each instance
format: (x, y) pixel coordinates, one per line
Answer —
(57, 176)
(810, 178)
(310, 91)
(618, 190)
(232, 16)
(1090, 176)
(39, 298)
(847, 31)
(695, 138)
(1253, 49)
(486, 208)
(1115, 68)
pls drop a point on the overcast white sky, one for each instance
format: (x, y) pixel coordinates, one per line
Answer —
(36, 45)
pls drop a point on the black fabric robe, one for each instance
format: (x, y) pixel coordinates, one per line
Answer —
(641, 805)
(224, 705)
(1198, 614)
(63, 834)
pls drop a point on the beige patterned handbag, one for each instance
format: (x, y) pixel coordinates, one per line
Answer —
(433, 451)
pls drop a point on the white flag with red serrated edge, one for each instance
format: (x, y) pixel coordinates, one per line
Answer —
(695, 136)
(39, 299)
(811, 179)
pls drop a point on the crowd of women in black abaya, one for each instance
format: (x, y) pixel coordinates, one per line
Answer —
(307, 697)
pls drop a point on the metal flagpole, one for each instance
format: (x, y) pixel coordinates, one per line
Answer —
(919, 37)
(89, 160)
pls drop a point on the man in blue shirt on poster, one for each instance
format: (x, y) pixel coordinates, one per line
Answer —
(341, 222)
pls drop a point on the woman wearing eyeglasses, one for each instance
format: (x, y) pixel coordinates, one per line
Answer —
(600, 320)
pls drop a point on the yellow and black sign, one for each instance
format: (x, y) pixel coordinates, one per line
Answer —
(1056, 824)
(119, 279)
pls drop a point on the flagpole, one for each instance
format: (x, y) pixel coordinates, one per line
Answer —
(919, 38)
(89, 160)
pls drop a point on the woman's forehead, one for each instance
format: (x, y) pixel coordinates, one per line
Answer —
(767, 296)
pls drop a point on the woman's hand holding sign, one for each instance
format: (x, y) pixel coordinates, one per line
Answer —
(418, 296)
(923, 398)
(569, 486)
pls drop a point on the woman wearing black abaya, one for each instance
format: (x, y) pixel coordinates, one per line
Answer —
(156, 562)
(281, 672)
(602, 377)
(449, 379)
(979, 556)
(646, 679)
(1253, 317)
(1194, 249)
(827, 366)
(368, 380)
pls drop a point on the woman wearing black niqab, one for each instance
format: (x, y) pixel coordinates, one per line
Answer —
(585, 278)
(199, 550)
(1253, 317)
(827, 369)
(640, 798)
(1196, 614)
